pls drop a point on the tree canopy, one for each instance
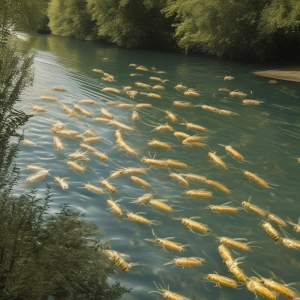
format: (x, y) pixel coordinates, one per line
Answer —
(71, 18)
(259, 29)
(223, 28)
(132, 24)
(256, 29)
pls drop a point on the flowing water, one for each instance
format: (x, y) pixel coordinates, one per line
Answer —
(266, 135)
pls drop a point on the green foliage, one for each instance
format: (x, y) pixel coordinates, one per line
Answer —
(4, 34)
(265, 29)
(30, 14)
(43, 26)
(235, 29)
(279, 28)
(281, 15)
(21, 14)
(15, 74)
(55, 257)
(71, 18)
(223, 28)
(132, 24)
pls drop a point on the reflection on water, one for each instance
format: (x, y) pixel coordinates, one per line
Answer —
(266, 136)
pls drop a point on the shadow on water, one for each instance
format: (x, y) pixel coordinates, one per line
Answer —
(41, 256)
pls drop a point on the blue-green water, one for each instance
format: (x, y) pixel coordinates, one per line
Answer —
(266, 135)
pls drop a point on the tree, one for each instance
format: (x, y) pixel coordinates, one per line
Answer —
(131, 23)
(71, 18)
(281, 15)
(222, 28)
(21, 14)
(279, 28)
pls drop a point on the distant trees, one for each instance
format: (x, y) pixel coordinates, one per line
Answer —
(71, 18)
(22, 14)
(128, 23)
(257, 29)
(281, 15)
(279, 28)
(222, 28)
(133, 24)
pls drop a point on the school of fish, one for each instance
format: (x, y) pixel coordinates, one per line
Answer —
(179, 173)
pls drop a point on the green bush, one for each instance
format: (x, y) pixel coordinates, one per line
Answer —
(54, 256)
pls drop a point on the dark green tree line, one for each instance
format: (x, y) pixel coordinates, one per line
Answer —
(282, 16)
(133, 24)
(22, 14)
(232, 28)
(217, 27)
(128, 23)
(71, 18)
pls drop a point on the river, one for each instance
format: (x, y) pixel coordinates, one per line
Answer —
(267, 136)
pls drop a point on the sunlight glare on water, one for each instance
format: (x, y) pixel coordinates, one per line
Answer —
(266, 135)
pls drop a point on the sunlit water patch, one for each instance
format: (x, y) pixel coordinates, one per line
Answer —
(267, 136)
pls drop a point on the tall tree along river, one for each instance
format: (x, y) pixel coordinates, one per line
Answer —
(266, 135)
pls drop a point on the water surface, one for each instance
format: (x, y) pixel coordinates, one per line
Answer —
(266, 135)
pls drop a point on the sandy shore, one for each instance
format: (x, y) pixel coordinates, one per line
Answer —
(283, 74)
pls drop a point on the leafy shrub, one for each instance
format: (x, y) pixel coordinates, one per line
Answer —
(55, 257)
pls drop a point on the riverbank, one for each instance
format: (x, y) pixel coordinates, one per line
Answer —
(290, 74)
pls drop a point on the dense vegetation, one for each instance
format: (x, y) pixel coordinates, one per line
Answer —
(41, 257)
(127, 23)
(259, 29)
(57, 256)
